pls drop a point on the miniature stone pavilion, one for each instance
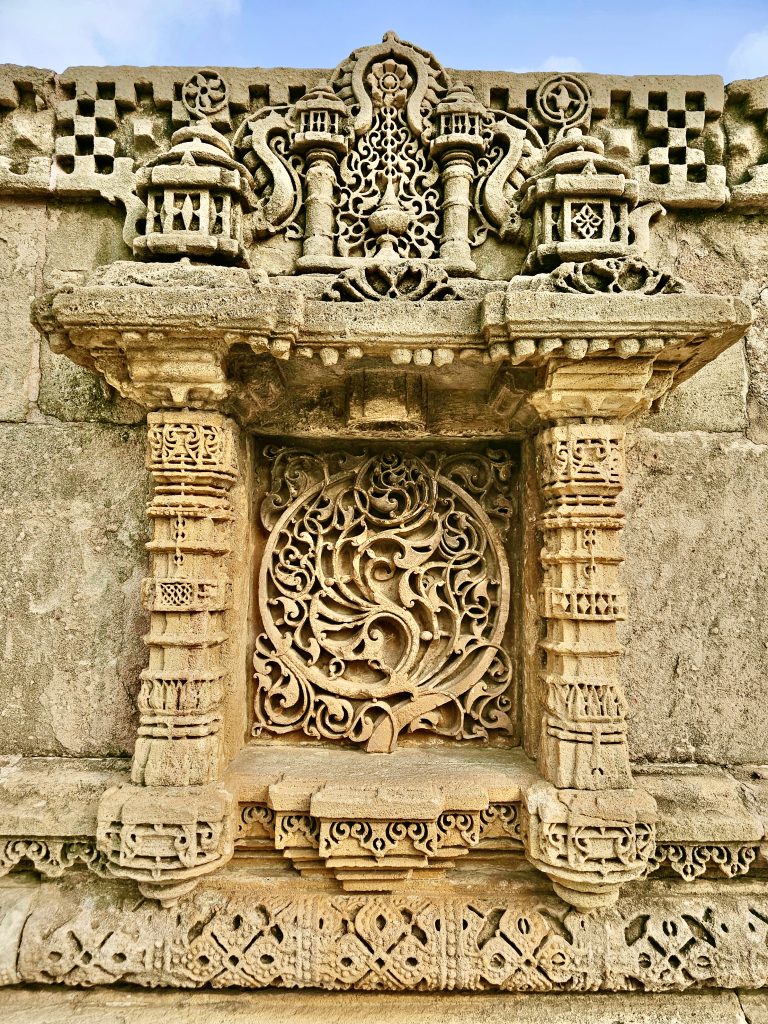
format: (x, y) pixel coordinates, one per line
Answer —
(385, 478)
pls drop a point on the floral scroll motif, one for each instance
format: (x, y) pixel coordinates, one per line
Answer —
(384, 594)
(390, 160)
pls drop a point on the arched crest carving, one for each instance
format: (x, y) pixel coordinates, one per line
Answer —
(368, 170)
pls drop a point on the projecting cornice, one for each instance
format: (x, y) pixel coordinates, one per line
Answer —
(176, 335)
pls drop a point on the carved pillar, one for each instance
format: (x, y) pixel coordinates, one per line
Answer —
(320, 223)
(173, 824)
(322, 137)
(583, 737)
(458, 172)
(588, 829)
(458, 141)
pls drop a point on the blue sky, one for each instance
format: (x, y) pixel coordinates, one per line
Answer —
(726, 37)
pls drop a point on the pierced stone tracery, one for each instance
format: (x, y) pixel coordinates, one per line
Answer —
(384, 592)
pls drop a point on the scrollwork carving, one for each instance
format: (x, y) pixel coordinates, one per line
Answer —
(612, 276)
(691, 860)
(384, 595)
(389, 165)
(51, 856)
(413, 280)
(262, 143)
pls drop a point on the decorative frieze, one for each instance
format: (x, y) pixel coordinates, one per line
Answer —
(51, 855)
(692, 860)
(380, 854)
(660, 940)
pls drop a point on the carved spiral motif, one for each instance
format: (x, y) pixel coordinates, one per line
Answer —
(384, 595)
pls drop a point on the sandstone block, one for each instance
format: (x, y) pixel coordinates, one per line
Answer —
(22, 230)
(72, 545)
(696, 572)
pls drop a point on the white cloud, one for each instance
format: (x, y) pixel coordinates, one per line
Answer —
(750, 58)
(561, 64)
(59, 33)
(553, 63)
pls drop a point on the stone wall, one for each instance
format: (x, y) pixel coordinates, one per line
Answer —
(196, 406)
(76, 490)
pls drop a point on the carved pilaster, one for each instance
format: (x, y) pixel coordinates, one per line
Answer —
(583, 742)
(192, 460)
(587, 828)
(173, 824)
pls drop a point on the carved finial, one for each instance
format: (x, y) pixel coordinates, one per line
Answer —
(388, 222)
(194, 193)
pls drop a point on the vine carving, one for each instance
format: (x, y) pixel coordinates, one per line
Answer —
(384, 595)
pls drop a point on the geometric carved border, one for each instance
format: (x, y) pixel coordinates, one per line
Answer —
(656, 940)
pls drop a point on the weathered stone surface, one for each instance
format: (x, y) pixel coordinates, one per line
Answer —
(696, 569)
(73, 537)
(44, 796)
(715, 400)
(727, 255)
(388, 325)
(22, 240)
(124, 1006)
(73, 393)
(754, 1006)
(16, 896)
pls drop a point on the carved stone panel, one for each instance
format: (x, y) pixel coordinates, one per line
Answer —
(384, 591)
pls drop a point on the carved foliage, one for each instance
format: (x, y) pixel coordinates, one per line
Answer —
(411, 280)
(50, 856)
(613, 276)
(384, 595)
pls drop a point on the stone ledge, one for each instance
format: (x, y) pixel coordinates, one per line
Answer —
(59, 796)
(28, 1005)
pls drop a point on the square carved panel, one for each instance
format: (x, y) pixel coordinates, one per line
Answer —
(385, 594)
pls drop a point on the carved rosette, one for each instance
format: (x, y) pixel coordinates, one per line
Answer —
(384, 595)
